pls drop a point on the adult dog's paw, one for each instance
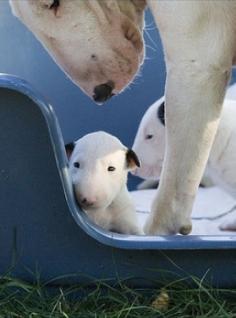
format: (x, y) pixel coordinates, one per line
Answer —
(152, 227)
(167, 224)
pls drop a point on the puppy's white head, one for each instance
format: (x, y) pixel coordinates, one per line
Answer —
(99, 165)
(149, 143)
(98, 43)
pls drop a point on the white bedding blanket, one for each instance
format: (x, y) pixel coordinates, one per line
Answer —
(212, 207)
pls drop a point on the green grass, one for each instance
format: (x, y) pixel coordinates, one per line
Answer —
(20, 299)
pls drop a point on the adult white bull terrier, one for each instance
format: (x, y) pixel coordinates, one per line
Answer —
(99, 44)
(149, 145)
(99, 165)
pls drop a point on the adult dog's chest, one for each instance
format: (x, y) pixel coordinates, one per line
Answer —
(212, 23)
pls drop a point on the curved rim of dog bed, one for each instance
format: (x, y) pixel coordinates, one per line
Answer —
(105, 237)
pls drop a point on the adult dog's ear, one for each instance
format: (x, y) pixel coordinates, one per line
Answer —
(132, 159)
(140, 4)
(69, 149)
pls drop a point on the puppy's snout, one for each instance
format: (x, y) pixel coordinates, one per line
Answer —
(85, 202)
(103, 92)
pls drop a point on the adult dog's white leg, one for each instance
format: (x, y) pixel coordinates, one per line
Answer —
(194, 95)
(192, 115)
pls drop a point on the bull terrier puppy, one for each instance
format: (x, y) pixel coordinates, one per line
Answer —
(99, 165)
(150, 147)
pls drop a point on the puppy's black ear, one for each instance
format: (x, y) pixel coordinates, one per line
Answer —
(69, 149)
(140, 4)
(132, 159)
(161, 113)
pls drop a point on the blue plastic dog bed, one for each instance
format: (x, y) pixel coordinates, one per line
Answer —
(42, 230)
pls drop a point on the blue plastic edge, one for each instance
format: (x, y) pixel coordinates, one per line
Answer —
(103, 236)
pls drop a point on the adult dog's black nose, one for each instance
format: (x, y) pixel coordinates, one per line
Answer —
(103, 92)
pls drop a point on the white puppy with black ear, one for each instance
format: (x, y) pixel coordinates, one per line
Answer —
(99, 165)
(149, 145)
(149, 142)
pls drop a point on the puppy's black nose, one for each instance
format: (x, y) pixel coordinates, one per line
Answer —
(87, 203)
(103, 92)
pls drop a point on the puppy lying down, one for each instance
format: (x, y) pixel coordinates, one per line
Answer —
(99, 165)
(149, 145)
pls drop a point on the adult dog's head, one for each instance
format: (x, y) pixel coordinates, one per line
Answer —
(98, 43)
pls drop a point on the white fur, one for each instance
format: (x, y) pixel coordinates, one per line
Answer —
(221, 165)
(112, 207)
(150, 151)
(199, 41)
(79, 30)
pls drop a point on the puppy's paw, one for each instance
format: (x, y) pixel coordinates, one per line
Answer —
(136, 231)
(228, 225)
(128, 228)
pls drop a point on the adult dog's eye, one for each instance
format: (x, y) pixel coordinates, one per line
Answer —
(111, 168)
(76, 165)
(148, 136)
(55, 4)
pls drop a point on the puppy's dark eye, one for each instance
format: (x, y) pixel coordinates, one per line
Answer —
(148, 136)
(111, 168)
(55, 4)
(76, 165)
